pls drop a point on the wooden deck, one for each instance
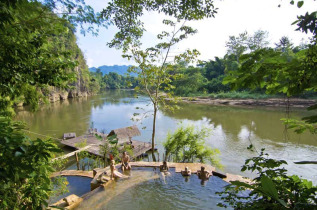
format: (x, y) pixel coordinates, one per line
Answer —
(93, 143)
(194, 167)
(178, 168)
(88, 174)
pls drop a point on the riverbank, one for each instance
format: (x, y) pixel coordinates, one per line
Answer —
(272, 102)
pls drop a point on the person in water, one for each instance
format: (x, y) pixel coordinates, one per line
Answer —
(125, 165)
(186, 172)
(164, 167)
(202, 174)
(114, 172)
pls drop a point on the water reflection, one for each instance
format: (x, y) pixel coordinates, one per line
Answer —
(233, 128)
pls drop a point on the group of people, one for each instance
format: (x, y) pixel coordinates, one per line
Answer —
(202, 173)
(125, 166)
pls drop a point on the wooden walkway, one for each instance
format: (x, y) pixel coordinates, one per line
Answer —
(88, 174)
(93, 145)
(73, 153)
(178, 167)
(194, 167)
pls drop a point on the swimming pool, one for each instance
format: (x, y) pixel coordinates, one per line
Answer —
(147, 188)
(76, 185)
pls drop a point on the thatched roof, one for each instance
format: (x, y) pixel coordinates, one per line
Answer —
(125, 134)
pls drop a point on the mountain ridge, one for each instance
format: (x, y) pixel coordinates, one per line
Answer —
(119, 69)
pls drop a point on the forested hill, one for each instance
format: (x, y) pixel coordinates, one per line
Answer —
(121, 70)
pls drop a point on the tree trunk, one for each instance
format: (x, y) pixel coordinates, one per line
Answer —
(153, 132)
(77, 160)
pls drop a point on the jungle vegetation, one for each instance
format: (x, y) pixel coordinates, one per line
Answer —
(38, 50)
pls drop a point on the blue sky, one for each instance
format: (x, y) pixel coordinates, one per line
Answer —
(234, 17)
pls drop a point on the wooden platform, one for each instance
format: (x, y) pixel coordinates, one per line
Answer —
(93, 143)
(194, 167)
(178, 168)
(88, 174)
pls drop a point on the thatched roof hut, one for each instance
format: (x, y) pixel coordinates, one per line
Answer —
(125, 134)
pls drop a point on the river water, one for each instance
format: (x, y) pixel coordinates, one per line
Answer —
(232, 128)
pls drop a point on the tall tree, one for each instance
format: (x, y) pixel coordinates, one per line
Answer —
(29, 58)
(258, 40)
(237, 45)
(284, 44)
(153, 72)
(154, 67)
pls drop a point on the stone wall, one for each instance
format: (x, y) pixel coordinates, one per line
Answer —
(63, 95)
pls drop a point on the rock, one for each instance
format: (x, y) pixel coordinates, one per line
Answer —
(63, 95)
(71, 199)
(53, 97)
(72, 94)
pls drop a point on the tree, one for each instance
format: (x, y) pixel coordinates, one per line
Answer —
(258, 40)
(214, 68)
(278, 72)
(187, 145)
(125, 15)
(284, 44)
(29, 59)
(271, 189)
(154, 68)
(25, 166)
(191, 80)
(237, 45)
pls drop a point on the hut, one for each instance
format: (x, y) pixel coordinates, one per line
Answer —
(124, 135)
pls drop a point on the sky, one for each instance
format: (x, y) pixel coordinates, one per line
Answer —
(233, 17)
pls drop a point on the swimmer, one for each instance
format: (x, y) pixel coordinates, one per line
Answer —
(125, 165)
(186, 172)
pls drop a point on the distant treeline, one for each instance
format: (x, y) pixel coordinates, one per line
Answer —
(112, 80)
(207, 78)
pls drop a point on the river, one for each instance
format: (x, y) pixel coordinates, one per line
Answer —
(232, 128)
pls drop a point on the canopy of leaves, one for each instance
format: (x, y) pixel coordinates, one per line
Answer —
(24, 168)
(125, 15)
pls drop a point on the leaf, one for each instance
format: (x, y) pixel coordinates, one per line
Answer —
(270, 190)
(300, 4)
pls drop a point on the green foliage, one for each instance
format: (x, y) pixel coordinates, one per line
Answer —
(27, 55)
(34, 54)
(187, 144)
(126, 16)
(81, 144)
(271, 189)
(274, 71)
(127, 148)
(25, 167)
(59, 186)
(191, 80)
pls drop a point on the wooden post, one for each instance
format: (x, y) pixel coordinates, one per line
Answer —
(105, 159)
(77, 160)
